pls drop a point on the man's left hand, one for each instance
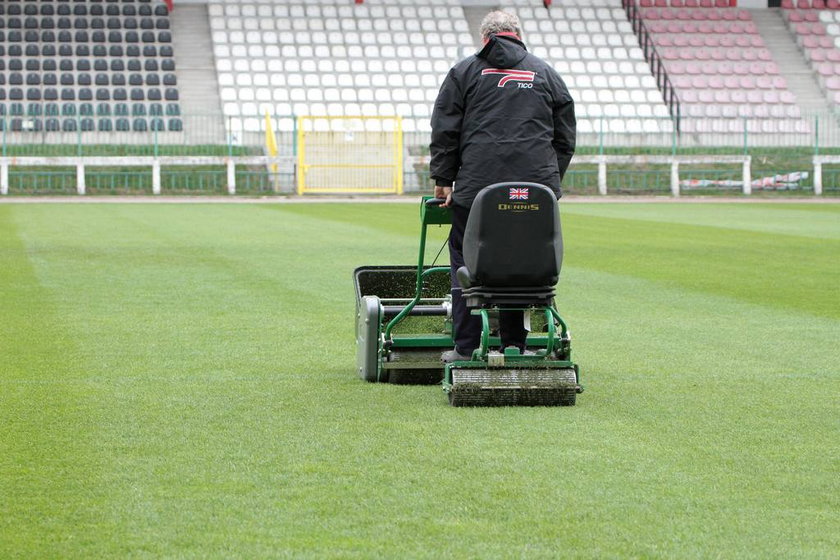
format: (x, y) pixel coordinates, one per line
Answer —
(444, 193)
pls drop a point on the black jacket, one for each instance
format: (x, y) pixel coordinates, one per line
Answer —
(501, 115)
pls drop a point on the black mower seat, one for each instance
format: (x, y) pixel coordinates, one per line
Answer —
(513, 247)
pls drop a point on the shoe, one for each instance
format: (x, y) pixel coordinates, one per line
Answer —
(522, 351)
(454, 356)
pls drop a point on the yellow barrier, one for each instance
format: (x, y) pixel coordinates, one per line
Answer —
(349, 155)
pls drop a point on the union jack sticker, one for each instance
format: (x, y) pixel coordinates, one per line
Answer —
(519, 193)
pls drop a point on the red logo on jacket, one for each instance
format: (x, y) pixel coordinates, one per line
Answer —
(509, 75)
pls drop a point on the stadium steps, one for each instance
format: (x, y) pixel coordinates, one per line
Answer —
(197, 77)
(791, 62)
(474, 15)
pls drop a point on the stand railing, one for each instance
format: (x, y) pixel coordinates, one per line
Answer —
(663, 82)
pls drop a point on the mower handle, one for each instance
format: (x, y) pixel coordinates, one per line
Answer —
(435, 202)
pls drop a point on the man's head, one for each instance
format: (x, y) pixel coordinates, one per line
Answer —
(499, 22)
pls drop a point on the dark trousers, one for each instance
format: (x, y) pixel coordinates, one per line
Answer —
(467, 327)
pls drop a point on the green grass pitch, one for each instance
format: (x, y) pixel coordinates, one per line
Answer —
(178, 381)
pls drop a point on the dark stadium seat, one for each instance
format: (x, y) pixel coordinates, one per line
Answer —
(152, 80)
(138, 110)
(121, 109)
(175, 125)
(162, 23)
(103, 109)
(155, 109)
(52, 125)
(87, 124)
(51, 109)
(31, 23)
(30, 10)
(154, 94)
(82, 50)
(33, 64)
(97, 36)
(103, 94)
(100, 65)
(63, 10)
(137, 94)
(132, 51)
(119, 94)
(16, 109)
(101, 79)
(164, 37)
(149, 50)
(34, 109)
(33, 94)
(2, 79)
(14, 23)
(170, 80)
(68, 110)
(118, 79)
(33, 79)
(47, 9)
(122, 125)
(97, 23)
(85, 94)
(100, 51)
(144, 11)
(157, 124)
(15, 50)
(16, 125)
(13, 9)
(139, 125)
(134, 65)
(68, 79)
(173, 109)
(129, 23)
(114, 23)
(115, 51)
(135, 80)
(16, 94)
(148, 37)
(80, 23)
(105, 125)
(65, 37)
(48, 50)
(129, 10)
(97, 10)
(167, 65)
(14, 37)
(64, 23)
(161, 10)
(83, 79)
(47, 23)
(31, 49)
(166, 51)
(151, 65)
(147, 23)
(50, 79)
(15, 78)
(81, 37)
(86, 109)
(112, 10)
(68, 94)
(83, 65)
(132, 37)
(115, 37)
(69, 125)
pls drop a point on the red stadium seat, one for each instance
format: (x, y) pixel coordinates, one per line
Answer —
(796, 16)
(731, 82)
(787, 97)
(764, 82)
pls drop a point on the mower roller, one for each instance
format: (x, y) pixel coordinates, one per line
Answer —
(404, 318)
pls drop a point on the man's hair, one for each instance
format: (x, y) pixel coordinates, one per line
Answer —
(500, 22)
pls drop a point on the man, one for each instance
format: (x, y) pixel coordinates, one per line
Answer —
(501, 115)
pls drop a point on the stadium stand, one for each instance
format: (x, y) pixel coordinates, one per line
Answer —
(334, 59)
(817, 33)
(594, 48)
(87, 66)
(387, 59)
(725, 76)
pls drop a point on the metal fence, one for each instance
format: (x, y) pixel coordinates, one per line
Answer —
(779, 148)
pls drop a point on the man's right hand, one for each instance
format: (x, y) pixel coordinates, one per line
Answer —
(444, 193)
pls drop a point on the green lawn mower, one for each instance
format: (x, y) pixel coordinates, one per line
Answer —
(512, 253)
